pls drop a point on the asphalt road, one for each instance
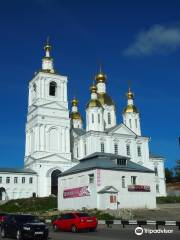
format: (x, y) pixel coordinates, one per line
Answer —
(114, 233)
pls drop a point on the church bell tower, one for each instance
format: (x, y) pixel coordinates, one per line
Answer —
(48, 124)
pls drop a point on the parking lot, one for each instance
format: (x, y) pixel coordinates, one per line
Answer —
(116, 232)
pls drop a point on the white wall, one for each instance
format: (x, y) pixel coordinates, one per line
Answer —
(106, 178)
(18, 190)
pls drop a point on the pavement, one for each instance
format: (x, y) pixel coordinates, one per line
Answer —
(116, 232)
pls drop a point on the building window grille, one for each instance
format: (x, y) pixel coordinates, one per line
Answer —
(128, 149)
(139, 151)
(0, 179)
(157, 188)
(156, 171)
(121, 162)
(7, 179)
(123, 182)
(23, 180)
(116, 148)
(52, 88)
(133, 180)
(15, 180)
(30, 180)
(91, 178)
(109, 118)
(102, 147)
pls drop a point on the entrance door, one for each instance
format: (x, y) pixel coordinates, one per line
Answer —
(54, 182)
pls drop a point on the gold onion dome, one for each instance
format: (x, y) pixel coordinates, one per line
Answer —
(105, 99)
(75, 116)
(74, 102)
(93, 102)
(100, 77)
(130, 108)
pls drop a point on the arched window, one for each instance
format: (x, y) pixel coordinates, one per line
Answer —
(128, 149)
(52, 88)
(139, 151)
(156, 170)
(102, 147)
(92, 118)
(109, 118)
(130, 124)
(98, 118)
(157, 188)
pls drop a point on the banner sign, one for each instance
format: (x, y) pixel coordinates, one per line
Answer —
(138, 188)
(76, 192)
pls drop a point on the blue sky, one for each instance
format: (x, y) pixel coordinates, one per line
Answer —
(134, 40)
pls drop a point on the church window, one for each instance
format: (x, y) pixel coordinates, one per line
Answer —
(121, 161)
(85, 149)
(102, 147)
(133, 179)
(34, 87)
(136, 122)
(0, 179)
(15, 180)
(109, 118)
(139, 151)
(98, 118)
(91, 178)
(77, 152)
(123, 182)
(128, 149)
(52, 88)
(7, 179)
(156, 171)
(92, 118)
(157, 188)
(116, 148)
(23, 180)
(30, 180)
(130, 125)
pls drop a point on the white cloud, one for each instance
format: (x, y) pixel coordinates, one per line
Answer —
(157, 40)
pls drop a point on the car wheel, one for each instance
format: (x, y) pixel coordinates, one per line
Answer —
(3, 233)
(18, 235)
(74, 229)
(55, 228)
(92, 229)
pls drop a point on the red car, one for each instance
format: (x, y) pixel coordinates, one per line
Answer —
(3, 216)
(75, 221)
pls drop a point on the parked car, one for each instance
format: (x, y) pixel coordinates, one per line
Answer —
(24, 227)
(3, 216)
(75, 221)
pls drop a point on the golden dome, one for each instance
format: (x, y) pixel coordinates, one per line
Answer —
(93, 89)
(130, 94)
(93, 103)
(100, 77)
(131, 109)
(105, 99)
(75, 116)
(74, 102)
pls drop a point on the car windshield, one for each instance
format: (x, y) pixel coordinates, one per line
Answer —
(26, 219)
(82, 214)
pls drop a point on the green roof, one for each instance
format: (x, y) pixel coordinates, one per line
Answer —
(105, 161)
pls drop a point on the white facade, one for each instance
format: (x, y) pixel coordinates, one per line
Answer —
(56, 140)
(17, 184)
(102, 179)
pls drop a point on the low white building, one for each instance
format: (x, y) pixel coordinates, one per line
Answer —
(17, 183)
(106, 181)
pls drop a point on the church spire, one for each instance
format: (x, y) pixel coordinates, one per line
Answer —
(47, 61)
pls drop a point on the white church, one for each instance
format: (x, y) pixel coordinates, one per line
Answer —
(59, 148)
